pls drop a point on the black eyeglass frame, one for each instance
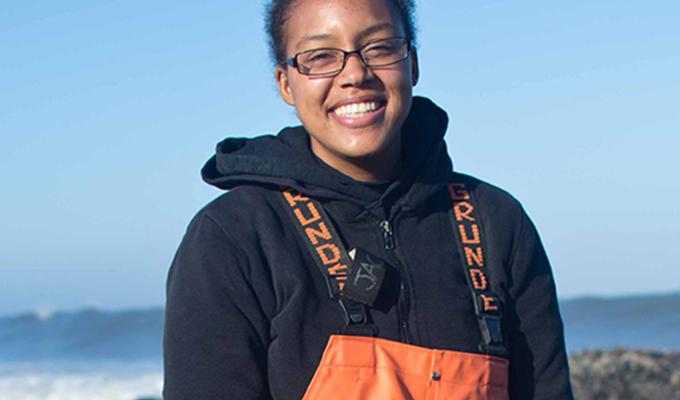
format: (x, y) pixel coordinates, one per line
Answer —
(293, 62)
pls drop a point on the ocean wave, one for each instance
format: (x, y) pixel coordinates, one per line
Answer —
(80, 381)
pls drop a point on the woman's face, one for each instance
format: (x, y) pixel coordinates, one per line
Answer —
(339, 135)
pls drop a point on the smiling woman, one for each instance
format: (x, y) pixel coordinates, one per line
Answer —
(348, 260)
(353, 113)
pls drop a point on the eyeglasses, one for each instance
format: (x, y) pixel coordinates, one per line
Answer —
(326, 62)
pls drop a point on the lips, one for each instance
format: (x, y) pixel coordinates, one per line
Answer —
(358, 112)
(356, 109)
(360, 119)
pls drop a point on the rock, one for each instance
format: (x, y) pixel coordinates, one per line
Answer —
(625, 374)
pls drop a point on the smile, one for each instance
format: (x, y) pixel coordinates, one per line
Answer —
(360, 114)
(356, 110)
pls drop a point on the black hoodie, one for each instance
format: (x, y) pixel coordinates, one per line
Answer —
(248, 312)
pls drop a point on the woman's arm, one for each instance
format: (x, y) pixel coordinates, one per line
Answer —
(216, 334)
(538, 367)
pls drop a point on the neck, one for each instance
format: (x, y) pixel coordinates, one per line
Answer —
(371, 171)
(374, 168)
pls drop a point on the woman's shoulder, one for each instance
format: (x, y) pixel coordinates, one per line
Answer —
(242, 211)
(492, 199)
(503, 217)
(241, 203)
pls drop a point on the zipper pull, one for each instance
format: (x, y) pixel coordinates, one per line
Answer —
(387, 234)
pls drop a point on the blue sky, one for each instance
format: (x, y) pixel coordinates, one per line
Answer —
(108, 109)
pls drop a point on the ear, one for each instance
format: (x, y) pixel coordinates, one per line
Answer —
(283, 84)
(415, 71)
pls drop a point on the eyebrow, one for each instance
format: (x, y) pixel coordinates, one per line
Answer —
(366, 32)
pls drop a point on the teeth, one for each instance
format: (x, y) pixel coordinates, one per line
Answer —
(356, 109)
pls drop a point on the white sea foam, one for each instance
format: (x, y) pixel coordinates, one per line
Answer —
(80, 381)
(44, 314)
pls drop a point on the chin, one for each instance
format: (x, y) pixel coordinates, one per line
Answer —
(363, 152)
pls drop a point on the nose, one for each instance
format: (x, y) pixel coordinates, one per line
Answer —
(355, 71)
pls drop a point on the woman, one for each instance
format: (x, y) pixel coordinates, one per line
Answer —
(347, 259)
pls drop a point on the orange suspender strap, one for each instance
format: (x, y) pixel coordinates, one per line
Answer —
(323, 243)
(467, 227)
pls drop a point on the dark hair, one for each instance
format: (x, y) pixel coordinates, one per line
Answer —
(277, 13)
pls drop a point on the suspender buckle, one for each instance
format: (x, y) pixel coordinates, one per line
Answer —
(490, 318)
(491, 329)
(356, 319)
(355, 313)
(492, 335)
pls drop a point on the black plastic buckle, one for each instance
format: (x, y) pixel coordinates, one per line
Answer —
(492, 335)
(356, 320)
(491, 329)
(355, 313)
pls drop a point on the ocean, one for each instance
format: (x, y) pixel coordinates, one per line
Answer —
(80, 380)
(116, 355)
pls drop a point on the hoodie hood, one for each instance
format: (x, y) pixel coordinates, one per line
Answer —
(287, 160)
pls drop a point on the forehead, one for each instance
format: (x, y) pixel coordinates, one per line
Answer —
(339, 22)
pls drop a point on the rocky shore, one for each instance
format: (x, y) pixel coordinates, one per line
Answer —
(622, 374)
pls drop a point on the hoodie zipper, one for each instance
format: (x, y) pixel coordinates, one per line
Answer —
(403, 302)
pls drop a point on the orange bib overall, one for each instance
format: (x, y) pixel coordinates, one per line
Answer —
(366, 368)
